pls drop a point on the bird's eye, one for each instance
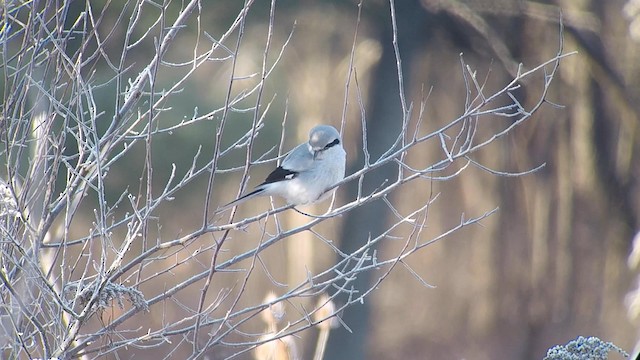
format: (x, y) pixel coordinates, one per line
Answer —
(333, 143)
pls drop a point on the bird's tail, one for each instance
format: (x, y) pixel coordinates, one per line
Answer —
(241, 199)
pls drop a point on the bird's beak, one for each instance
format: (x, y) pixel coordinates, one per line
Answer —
(315, 154)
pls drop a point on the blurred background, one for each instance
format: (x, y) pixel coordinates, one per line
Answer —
(550, 265)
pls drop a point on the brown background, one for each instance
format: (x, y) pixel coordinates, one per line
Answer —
(549, 266)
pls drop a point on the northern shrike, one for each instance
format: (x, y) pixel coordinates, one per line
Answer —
(307, 172)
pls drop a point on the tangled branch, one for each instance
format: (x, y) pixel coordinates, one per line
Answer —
(71, 248)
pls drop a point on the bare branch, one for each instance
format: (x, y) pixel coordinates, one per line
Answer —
(85, 256)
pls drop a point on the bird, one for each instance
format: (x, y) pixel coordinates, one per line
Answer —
(306, 173)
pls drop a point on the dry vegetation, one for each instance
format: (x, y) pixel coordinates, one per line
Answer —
(112, 173)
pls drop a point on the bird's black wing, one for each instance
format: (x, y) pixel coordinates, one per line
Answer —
(280, 174)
